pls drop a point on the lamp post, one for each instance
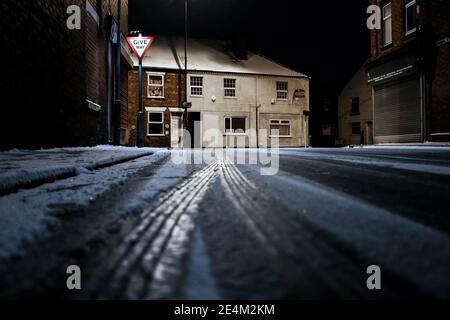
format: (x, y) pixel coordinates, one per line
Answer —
(186, 105)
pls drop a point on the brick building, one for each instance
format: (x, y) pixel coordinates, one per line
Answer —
(237, 97)
(56, 83)
(409, 71)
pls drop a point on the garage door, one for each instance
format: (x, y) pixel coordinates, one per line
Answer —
(397, 112)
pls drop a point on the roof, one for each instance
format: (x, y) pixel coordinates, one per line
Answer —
(209, 56)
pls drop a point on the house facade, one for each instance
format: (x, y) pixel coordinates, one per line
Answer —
(409, 72)
(355, 111)
(235, 102)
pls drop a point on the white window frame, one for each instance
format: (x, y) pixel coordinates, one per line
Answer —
(231, 123)
(279, 122)
(196, 86)
(230, 88)
(282, 91)
(407, 6)
(156, 74)
(155, 122)
(385, 18)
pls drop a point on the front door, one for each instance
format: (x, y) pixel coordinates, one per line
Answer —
(175, 132)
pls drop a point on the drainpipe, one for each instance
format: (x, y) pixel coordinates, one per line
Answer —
(117, 104)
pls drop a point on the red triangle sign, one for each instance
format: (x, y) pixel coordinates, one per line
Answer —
(140, 45)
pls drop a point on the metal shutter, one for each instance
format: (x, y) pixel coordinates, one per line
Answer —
(397, 112)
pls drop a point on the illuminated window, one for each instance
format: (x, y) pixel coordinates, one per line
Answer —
(282, 90)
(230, 87)
(155, 85)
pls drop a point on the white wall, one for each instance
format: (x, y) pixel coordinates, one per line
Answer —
(251, 91)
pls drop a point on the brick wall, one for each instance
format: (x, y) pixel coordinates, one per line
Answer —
(174, 95)
(434, 18)
(440, 91)
(48, 71)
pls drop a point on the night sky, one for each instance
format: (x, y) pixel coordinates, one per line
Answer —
(328, 40)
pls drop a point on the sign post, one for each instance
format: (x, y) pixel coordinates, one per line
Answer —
(140, 46)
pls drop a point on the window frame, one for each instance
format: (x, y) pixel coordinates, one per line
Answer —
(352, 112)
(225, 88)
(162, 122)
(231, 123)
(282, 91)
(196, 86)
(280, 123)
(383, 28)
(162, 85)
(409, 4)
(354, 124)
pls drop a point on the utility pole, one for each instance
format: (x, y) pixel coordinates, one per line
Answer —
(186, 104)
(117, 104)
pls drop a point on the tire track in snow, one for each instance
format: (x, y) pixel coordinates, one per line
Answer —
(148, 264)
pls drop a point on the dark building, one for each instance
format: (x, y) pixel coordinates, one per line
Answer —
(56, 83)
(409, 71)
(324, 114)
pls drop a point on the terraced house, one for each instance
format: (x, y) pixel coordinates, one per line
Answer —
(409, 73)
(237, 97)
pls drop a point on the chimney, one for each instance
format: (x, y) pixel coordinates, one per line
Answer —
(239, 45)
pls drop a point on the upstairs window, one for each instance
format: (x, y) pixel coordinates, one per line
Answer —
(355, 106)
(155, 85)
(282, 90)
(229, 87)
(197, 86)
(410, 17)
(387, 25)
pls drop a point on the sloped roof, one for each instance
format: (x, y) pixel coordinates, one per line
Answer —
(209, 56)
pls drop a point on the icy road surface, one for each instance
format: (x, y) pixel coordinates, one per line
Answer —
(222, 230)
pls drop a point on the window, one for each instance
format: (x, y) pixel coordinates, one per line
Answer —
(387, 25)
(356, 128)
(155, 85)
(355, 106)
(230, 87)
(282, 90)
(410, 16)
(197, 86)
(280, 128)
(235, 125)
(155, 124)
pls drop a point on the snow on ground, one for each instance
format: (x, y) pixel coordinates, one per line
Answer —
(388, 239)
(30, 215)
(22, 167)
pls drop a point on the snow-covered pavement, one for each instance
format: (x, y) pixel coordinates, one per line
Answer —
(150, 228)
(24, 168)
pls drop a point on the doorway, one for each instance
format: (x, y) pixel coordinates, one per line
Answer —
(195, 129)
(176, 133)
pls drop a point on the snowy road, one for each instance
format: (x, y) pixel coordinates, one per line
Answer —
(223, 230)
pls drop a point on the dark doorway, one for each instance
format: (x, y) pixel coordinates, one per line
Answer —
(194, 128)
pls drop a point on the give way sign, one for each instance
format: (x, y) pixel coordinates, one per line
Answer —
(140, 45)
